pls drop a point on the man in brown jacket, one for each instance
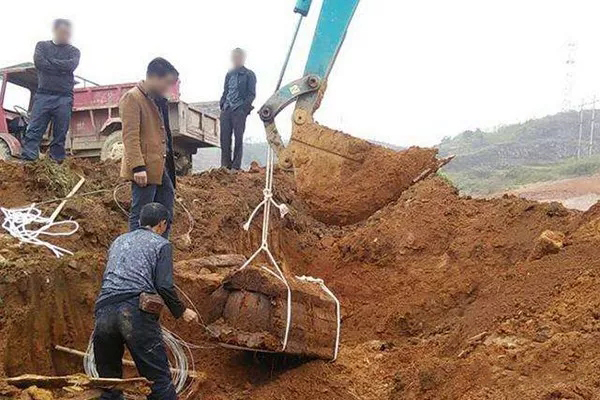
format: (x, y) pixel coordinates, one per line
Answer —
(148, 146)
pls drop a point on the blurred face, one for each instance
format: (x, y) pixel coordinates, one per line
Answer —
(161, 84)
(62, 34)
(238, 58)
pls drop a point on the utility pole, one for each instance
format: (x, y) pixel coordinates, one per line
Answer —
(592, 127)
(580, 131)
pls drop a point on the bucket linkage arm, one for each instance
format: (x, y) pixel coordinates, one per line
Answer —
(333, 23)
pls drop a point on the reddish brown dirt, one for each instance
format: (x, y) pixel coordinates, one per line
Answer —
(439, 298)
(344, 179)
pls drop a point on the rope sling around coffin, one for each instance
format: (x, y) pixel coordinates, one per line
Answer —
(267, 202)
(277, 272)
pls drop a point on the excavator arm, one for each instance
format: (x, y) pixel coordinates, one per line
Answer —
(341, 178)
(307, 91)
(332, 26)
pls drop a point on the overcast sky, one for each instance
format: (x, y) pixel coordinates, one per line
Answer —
(409, 73)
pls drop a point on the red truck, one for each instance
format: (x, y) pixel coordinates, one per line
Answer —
(95, 129)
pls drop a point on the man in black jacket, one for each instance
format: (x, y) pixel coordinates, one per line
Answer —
(55, 60)
(236, 103)
(140, 266)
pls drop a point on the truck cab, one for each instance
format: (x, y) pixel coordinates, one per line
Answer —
(18, 85)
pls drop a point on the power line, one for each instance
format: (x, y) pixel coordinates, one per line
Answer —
(569, 76)
(593, 125)
(580, 131)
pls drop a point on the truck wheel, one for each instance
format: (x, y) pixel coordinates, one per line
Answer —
(112, 148)
(4, 151)
(183, 162)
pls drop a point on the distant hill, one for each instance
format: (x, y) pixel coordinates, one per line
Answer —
(537, 150)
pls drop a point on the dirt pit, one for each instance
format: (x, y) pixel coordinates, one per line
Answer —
(440, 299)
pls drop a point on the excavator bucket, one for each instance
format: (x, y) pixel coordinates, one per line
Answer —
(251, 308)
(344, 179)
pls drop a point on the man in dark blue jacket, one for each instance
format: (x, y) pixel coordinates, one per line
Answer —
(239, 92)
(140, 265)
(55, 60)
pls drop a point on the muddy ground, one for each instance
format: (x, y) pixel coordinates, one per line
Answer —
(441, 296)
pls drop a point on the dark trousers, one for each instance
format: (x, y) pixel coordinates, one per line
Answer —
(140, 196)
(46, 108)
(124, 324)
(233, 123)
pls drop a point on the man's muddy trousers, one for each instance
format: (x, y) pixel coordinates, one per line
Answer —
(124, 324)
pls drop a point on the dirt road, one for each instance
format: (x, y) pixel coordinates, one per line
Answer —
(576, 193)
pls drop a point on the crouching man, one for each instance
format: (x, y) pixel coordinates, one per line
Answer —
(138, 279)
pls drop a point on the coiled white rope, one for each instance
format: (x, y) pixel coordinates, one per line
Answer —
(180, 368)
(181, 350)
(17, 221)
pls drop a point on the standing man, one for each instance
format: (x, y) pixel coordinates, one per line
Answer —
(137, 282)
(148, 145)
(236, 103)
(55, 61)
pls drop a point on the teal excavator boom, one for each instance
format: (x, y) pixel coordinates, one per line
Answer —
(334, 20)
(341, 178)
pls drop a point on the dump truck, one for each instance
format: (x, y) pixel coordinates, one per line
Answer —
(95, 129)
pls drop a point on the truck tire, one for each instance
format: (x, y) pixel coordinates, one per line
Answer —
(4, 151)
(112, 148)
(183, 162)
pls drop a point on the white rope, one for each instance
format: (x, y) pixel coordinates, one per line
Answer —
(283, 210)
(116, 189)
(200, 321)
(17, 222)
(321, 283)
(264, 246)
(278, 273)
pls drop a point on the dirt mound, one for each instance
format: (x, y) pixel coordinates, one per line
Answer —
(440, 297)
(354, 178)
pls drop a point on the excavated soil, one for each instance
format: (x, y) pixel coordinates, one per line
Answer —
(344, 179)
(441, 296)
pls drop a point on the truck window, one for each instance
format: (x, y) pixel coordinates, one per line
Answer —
(16, 96)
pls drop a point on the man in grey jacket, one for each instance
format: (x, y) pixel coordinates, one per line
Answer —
(55, 61)
(140, 263)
